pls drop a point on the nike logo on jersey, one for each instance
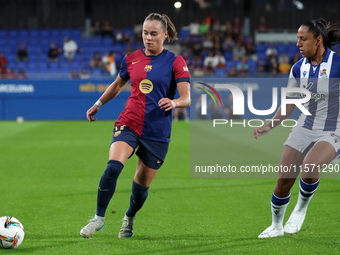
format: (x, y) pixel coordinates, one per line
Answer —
(135, 62)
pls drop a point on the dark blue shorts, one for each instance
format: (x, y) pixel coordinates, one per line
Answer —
(152, 153)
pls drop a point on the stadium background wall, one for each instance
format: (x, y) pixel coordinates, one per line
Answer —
(69, 99)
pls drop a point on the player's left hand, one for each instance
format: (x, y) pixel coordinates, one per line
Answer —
(166, 104)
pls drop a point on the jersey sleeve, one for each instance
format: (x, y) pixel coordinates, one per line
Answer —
(123, 72)
(181, 70)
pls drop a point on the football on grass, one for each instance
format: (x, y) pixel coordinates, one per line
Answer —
(11, 232)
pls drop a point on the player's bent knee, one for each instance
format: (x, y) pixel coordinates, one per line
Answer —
(284, 184)
(113, 169)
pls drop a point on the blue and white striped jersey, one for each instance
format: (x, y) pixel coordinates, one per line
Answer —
(323, 81)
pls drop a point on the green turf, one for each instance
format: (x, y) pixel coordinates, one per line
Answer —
(50, 173)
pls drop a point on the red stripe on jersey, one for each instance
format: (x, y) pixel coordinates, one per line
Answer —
(133, 115)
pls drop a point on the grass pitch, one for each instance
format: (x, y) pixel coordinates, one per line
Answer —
(49, 178)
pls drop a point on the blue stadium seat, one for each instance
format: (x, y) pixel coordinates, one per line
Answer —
(119, 48)
(66, 33)
(21, 65)
(183, 34)
(75, 65)
(44, 34)
(252, 66)
(24, 35)
(34, 42)
(13, 34)
(105, 49)
(32, 65)
(261, 48)
(76, 34)
(3, 33)
(128, 31)
(219, 72)
(107, 41)
(118, 59)
(42, 67)
(54, 65)
(55, 35)
(281, 48)
(33, 33)
(32, 69)
(96, 43)
(261, 55)
(3, 44)
(228, 55)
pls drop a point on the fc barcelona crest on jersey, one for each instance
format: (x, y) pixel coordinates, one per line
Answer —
(323, 73)
(147, 68)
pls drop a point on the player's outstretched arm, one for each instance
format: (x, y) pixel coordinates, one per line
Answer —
(111, 92)
(183, 101)
(276, 120)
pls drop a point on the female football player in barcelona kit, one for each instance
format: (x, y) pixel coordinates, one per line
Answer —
(146, 121)
(315, 141)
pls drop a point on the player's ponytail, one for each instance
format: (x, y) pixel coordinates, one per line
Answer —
(334, 33)
(330, 33)
(166, 23)
(172, 33)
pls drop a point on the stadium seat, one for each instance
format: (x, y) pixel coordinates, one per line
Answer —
(228, 55)
(44, 34)
(11, 58)
(13, 34)
(21, 65)
(32, 69)
(34, 42)
(54, 65)
(183, 34)
(33, 33)
(42, 67)
(76, 34)
(96, 43)
(107, 41)
(55, 35)
(3, 44)
(281, 48)
(219, 72)
(96, 73)
(3, 34)
(32, 65)
(128, 31)
(24, 35)
(260, 48)
(66, 33)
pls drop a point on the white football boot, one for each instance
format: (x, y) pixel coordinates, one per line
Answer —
(127, 227)
(95, 224)
(272, 232)
(294, 223)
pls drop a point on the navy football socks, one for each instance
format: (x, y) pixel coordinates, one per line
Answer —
(107, 185)
(138, 196)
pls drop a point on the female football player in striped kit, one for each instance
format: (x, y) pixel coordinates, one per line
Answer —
(315, 141)
(155, 73)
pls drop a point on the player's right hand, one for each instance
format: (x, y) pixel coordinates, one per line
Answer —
(261, 131)
(92, 111)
